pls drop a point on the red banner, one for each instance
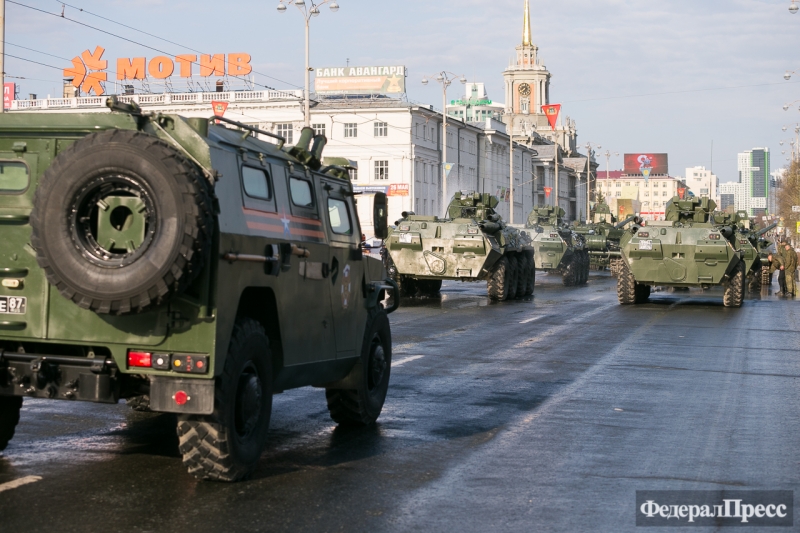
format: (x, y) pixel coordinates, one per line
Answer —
(681, 192)
(398, 189)
(219, 107)
(551, 112)
(547, 191)
(8, 94)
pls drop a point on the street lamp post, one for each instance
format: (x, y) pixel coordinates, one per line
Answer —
(589, 153)
(445, 78)
(608, 162)
(793, 7)
(511, 167)
(307, 14)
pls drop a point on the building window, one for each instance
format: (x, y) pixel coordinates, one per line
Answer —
(619, 184)
(619, 193)
(416, 205)
(381, 170)
(424, 207)
(664, 193)
(381, 129)
(319, 129)
(353, 174)
(647, 193)
(525, 105)
(286, 131)
(351, 129)
(627, 183)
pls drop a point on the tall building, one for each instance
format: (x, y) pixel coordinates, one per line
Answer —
(476, 105)
(703, 183)
(527, 89)
(753, 190)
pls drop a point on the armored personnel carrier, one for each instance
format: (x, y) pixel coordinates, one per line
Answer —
(686, 250)
(602, 237)
(471, 244)
(558, 249)
(755, 249)
(188, 267)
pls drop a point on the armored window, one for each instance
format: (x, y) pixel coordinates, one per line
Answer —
(319, 129)
(286, 131)
(339, 217)
(13, 176)
(301, 192)
(381, 170)
(351, 130)
(256, 183)
(381, 129)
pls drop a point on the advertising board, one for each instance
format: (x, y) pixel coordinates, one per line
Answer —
(645, 164)
(9, 89)
(361, 80)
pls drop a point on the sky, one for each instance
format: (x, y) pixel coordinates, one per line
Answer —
(673, 76)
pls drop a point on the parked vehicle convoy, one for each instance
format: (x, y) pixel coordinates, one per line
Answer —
(189, 268)
(686, 250)
(602, 238)
(471, 244)
(558, 249)
(755, 248)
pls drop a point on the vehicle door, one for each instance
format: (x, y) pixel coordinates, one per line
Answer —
(23, 287)
(346, 264)
(290, 215)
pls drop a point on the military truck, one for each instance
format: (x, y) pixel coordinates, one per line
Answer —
(558, 249)
(471, 244)
(189, 267)
(686, 250)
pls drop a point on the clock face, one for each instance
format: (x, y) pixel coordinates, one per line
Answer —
(524, 89)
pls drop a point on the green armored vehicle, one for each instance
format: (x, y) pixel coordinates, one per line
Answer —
(558, 248)
(686, 250)
(188, 267)
(471, 244)
(602, 237)
(750, 242)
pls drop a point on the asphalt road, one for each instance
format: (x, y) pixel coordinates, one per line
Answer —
(538, 415)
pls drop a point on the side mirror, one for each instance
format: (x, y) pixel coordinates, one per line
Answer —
(380, 216)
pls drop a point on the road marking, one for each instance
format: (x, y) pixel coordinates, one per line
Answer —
(19, 482)
(532, 319)
(595, 298)
(401, 362)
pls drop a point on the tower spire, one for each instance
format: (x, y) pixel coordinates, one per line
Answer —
(526, 26)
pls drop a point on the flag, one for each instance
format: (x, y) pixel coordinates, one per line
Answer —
(551, 112)
(547, 191)
(681, 192)
(447, 168)
(219, 107)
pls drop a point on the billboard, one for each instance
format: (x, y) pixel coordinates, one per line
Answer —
(9, 89)
(361, 80)
(646, 164)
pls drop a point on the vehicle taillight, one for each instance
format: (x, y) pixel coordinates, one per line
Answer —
(644, 234)
(181, 397)
(140, 359)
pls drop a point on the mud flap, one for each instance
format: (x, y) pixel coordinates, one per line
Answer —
(187, 396)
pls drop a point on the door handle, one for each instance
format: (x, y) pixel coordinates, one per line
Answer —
(334, 270)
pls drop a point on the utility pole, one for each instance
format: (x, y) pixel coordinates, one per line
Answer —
(3, 52)
(511, 171)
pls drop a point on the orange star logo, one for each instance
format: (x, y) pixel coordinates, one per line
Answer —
(85, 73)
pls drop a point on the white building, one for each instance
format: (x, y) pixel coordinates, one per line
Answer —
(652, 194)
(754, 189)
(703, 183)
(475, 106)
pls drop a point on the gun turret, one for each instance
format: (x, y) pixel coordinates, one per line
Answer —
(475, 205)
(692, 209)
(620, 225)
(547, 215)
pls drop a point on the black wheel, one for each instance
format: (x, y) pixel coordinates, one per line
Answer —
(139, 403)
(531, 277)
(226, 445)
(626, 286)
(513, 276)
(408, 286)
(121, 222)
(363, 405)
(430, 287)
(584, 267)
(523, 272)
(642, 293)
(734, 289)
(9, 418)
(497, 285)
(571, 268)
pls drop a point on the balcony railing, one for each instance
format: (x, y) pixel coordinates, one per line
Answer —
(156, 99)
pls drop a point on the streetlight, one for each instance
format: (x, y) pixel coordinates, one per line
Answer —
(445, 78)
(307, 14)
(589, 154)
(511, 164)
(793, 8)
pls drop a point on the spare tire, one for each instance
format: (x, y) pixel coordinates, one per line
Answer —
(121, 222)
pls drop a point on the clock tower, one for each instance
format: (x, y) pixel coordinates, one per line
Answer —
(527, 87)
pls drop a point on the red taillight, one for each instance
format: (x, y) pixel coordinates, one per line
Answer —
(180, 397)
(140, 359)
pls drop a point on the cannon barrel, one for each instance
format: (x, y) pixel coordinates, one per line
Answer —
(489, 227)
(620, 225)
(726, 231)
(759, 233)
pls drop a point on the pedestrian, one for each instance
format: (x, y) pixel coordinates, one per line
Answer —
(777, 264)
(790, 267)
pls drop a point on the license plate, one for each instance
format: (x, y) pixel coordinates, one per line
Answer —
(646, 245)
(13, 305)
(405, 238)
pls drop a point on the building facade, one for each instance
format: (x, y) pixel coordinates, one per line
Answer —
(754, 189)
(703, 183)
(652, 194)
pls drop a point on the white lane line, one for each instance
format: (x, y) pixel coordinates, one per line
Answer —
(401, 362)
(595, 298)
(19, 482)
(532, 319)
